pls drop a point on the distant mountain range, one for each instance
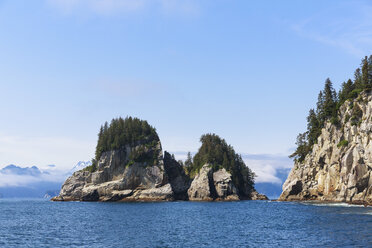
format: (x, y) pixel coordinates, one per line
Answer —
(13, 169)
(32, 182)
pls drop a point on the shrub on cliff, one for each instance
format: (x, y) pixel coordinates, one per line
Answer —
(342, 143)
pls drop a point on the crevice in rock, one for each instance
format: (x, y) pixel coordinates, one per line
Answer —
(212, 188)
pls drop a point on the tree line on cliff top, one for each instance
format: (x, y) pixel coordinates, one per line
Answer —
(120, 133)
(218, 154)
(213, 151)
(328, 104)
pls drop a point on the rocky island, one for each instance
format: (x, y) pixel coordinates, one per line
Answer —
(333, 160)
(130, 166)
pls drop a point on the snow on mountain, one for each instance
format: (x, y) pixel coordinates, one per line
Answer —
(80, 165)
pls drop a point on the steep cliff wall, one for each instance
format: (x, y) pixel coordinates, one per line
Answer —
(119, 178)
(218, 186)
(339, 167)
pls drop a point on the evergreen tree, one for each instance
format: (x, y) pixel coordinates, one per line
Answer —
(358, 79)
(218, 154)
(330, 100)
(225, 162)
(302, 149)
(369, 72)
(188, 161)
(122, 132)
(365, 72)
(313, 128)
(328, 104)
(320, 107)
(100, 146)
(345, 92)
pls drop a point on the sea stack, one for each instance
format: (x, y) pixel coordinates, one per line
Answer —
(130, 166)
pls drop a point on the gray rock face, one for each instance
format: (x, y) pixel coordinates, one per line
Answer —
(224, 187)
(200, 189)
(120, 179)
(256, 196)
(334, 170)
(219, 186)
(177, 178)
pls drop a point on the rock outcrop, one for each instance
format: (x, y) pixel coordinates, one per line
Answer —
(177, 178)
(130, 166)
(200, 189)
(339, 167)
(209, 186)
(118, 178)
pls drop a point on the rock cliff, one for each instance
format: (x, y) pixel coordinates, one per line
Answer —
(118, 178)
(208, 186)
(130, 166)
(339, 167)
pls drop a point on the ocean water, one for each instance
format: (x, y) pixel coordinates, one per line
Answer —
(41, 223)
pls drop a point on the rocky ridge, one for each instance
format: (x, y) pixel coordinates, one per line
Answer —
(339, 167)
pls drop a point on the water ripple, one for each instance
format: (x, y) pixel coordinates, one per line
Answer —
(37, 223)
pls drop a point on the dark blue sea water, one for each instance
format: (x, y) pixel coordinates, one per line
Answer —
(40, 223)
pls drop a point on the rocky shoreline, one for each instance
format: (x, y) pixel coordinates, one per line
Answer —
(358, 203)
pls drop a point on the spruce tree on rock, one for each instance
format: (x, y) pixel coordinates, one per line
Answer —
(365, 71)
(330, 100)
(188, 161)
(320, 107)
(313, 128)
(346, 89)
(358, 79)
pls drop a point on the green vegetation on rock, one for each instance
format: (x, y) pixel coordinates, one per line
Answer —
(342, 143)
(216, 152)
(327, 108)
(90, 168)
(126, 132)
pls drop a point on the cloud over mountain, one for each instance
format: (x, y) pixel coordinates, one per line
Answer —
(17, 181)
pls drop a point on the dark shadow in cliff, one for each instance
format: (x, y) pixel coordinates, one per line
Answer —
(212, 187)
(177, 177)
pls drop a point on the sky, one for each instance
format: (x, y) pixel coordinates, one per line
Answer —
(248, 71)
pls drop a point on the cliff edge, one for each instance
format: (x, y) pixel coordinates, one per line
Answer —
(339, 166)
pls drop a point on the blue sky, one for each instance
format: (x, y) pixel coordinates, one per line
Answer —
(246, 70)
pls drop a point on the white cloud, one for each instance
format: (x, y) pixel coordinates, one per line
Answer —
(267, 166)
(112, 7)
(64, 152)
(7, 180)
(12, 180)
(351, 32)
